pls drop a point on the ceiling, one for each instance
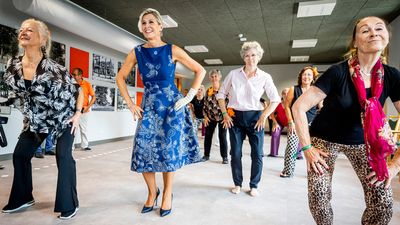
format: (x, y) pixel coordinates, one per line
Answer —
(273, 23)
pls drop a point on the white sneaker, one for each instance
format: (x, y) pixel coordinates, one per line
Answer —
(68, 215)
(254, 192)
(236, 190)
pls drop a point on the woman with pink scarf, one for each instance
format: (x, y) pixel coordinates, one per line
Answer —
(352, 122)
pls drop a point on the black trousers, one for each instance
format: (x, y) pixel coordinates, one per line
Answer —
(21, 191)
(223, 145)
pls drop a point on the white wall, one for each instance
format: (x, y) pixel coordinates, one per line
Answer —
(394, 58)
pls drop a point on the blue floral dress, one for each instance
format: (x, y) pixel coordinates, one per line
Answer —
(165, 139)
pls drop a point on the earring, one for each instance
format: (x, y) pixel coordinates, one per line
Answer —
(43, 49)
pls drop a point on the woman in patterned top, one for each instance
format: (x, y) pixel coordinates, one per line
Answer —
(165, 139)
(213, 117)
(50, 107)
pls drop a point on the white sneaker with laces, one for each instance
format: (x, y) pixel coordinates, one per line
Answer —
(254, 192)
(236, 190)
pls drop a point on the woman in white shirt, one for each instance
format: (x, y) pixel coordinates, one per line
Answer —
(246, 115)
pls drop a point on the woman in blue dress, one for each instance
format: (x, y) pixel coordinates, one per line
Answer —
(165, 139)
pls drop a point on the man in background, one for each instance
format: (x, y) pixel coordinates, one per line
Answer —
(87, 91)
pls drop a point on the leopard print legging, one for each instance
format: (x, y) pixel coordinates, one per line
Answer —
(379, 202)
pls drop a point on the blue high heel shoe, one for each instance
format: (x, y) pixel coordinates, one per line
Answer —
(165, 212)
(149, 209)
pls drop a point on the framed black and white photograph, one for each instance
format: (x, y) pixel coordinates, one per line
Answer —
(105, 98)
(131, 80)
(57, 52)
(121, 104)
(103, 68)
(8, 45)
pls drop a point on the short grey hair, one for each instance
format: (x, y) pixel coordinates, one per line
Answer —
(252, 45)
(215, 71)
(44, 33)
(152, 11)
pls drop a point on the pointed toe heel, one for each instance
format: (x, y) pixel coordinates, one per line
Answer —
(146, 209)
(166, 212)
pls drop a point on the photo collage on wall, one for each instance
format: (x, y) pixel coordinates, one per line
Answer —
(103, 68)
(105, 98)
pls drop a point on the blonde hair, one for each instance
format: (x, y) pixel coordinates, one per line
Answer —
(352, 52)
(152, 11)
(252, 45)
(44, 34)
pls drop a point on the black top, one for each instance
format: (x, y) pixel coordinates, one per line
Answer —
(198, 107)
(339, 120)
(310, 113)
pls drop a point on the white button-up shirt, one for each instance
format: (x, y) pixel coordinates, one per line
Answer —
(244, 94)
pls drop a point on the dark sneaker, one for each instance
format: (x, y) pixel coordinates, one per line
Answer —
(1, 167)
(51, 152)
(225, 161)
(68, 215)
(7, 209)
(87, 149)
(39, 155)
(205, 158)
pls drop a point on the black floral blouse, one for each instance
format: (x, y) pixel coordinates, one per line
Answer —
(50, 100)
(211, 107)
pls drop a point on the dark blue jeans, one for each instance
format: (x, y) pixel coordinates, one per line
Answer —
(243, 124)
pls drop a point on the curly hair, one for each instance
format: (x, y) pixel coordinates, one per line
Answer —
(313, 69)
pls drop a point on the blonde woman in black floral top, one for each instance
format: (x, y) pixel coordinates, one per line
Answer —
(50, 107)
(213, 117)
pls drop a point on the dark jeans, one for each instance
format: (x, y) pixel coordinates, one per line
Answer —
(243, 124)
(223, 145)
(21, 191)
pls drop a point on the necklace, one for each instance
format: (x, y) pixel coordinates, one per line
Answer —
(364, 73)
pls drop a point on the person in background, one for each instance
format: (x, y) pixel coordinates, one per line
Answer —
(196, 105)
(247, 115)
(352, 122)
(48, 149)
(50, 108)
(305, 79)
(87, 104)
(165, 138)
(279, 121)
(185, 92)
(213, 117)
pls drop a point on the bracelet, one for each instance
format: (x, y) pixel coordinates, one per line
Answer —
(79, 110)
(291, 122)
(398, 144)
(306, 147)
(224, 113)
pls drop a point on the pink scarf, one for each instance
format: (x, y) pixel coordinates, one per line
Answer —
(379, 141)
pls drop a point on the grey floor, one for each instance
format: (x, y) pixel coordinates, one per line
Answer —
(110, 193)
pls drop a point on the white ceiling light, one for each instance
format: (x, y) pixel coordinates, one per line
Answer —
(168, 22)
(213, 61)
(316, 8)
(243, 39)
(196, 48)
(301, 58)
(304, 43)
